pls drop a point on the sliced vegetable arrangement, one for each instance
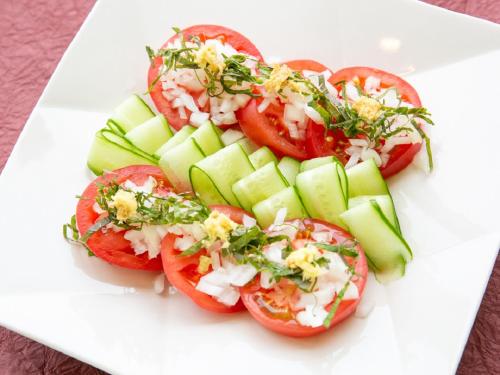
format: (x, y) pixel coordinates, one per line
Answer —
(257, 186)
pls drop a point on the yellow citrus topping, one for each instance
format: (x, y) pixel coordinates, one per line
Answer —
(125, 204)
(303, 258)
(278, 79)
(204, 264)
(218, 227)
(368, 108)
(206, 57)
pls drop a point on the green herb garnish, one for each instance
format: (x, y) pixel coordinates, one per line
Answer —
(335, 305)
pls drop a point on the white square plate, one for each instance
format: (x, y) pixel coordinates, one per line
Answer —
(112, 319)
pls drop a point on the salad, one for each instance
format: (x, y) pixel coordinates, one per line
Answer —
(257, 187)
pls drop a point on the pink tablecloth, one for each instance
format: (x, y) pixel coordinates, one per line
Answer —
(33, 36)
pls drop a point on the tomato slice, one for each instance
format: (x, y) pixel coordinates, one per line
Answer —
(111, 246)
(283, 321)
(204, 32)
(401, 155)
(181, 271)
(268, 128)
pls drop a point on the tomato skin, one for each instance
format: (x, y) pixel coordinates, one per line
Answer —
(317, 145)
(263, 132)
(258, 128)
(401, 155)
(387, 79)
(174, 264)
(293, 328)
(237, 40)
(112, 246)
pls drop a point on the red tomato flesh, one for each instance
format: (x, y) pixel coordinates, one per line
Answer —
(260, 302)
(400, 156)
(268, 128)
(204, 32)
(182, 271)
(111, 246)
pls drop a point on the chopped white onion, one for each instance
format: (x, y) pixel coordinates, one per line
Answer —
(228, 118)
(280, 216)
(372, 83)
(183, 243)
(229, 296)
(351, 292)
(358, 142)
(322, 236)
(327, 74)
(209, 288)
(370, 153)
(282, 229)
(177, 103)
(152, 240)
(240, 274)
(199, 118)
(331, 90)
(274, 252)
(189, 103)
(320, 297)
(266, 281)
(390, 97)
(248, 221)
(293, 130)
(203, 99)
(136, 239)
(313, 115)
(294, 113)
(217, 284)
(353, 160)
(241, 100)
(145, 240)
(312, 316)
(227, 105)
(182, 113)
(263, 105)
(351, 91)
(147, 187)
(168, 95)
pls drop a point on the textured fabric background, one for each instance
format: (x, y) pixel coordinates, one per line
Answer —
(33, 36)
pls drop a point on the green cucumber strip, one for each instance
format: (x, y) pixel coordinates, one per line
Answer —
(108, 153)
(289, 167)
(318, 162)
(322, 193)
(385, 203)
(386, 250)
(132, 112)
(223, 169)
(259, 185)
(114, 127)
(150, 135)
(175, 163)
(176, 139)
(266, 210)
(247, 145)
(125, 143)
(205, 187)
(262, 156)
(365, 179)
(208, 138)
